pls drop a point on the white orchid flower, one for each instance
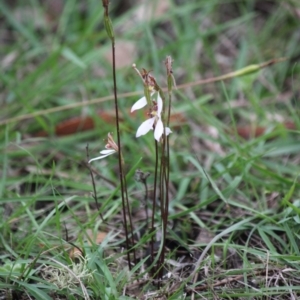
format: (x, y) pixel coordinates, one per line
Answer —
(111, 148)
(155, 121)
(104, 153)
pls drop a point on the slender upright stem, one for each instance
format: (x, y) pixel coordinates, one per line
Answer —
(165, 165)
(154, 201)
(121, 176)
(94, 184)
(124, 195)
(130, 219)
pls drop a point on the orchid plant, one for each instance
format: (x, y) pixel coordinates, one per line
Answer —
(155, 121)
(154, 101)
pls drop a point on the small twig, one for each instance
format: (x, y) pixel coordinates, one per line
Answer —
(242, 72)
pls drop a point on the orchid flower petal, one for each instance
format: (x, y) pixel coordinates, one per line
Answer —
(159, 129)
(167, 131)
(105, 153)
(108, 152)
(139, 104)
(159, 105)
(145, 127)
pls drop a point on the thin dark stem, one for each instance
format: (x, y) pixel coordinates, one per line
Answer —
(165, 169)
(166, 202)
(167, 166)
(154, 201)
(121, 175)
(164, 215)
(167, 178)
(171, 82)
(93, 183)
(124, 195)
(161, 182)
(146, 202)
(130, 219)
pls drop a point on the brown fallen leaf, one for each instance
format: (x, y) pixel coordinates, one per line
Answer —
(248, 132)
(79, 124)
(77, 252)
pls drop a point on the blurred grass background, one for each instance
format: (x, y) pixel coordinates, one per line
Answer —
(56, 53)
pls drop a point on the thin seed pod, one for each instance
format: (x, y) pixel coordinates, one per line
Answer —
(109, 28)
(170, 76)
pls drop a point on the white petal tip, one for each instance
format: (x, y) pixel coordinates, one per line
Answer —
(139, 104)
